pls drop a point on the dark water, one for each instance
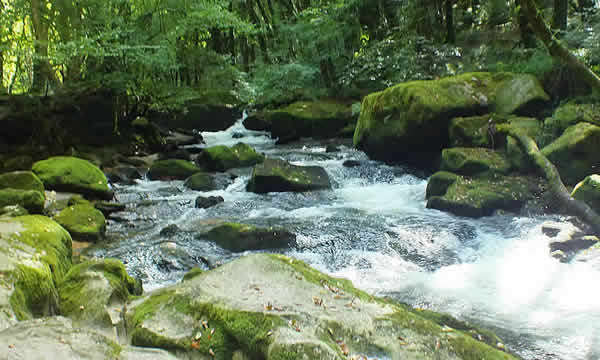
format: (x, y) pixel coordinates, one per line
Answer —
(374, 229)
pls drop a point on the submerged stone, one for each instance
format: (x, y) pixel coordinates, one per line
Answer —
(200, 181)
(210, 201)
(71, 174)
(275, 175)
(172, 169)
(273, 307)
(241, 237)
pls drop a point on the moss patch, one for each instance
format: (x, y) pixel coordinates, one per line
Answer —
(588, 191)
(71, 174)
(476, 197)
(221, 158)
(91, 286)
(172, 169)
(241, 237)
(200, 182)
(23, 180)
(471, 161)
(84, 222)
(278, 175)
(31, 200)
(575, 152)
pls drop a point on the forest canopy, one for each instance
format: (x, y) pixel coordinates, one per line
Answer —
(273, 51)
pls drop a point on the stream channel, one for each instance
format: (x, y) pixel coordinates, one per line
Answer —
(373, 228)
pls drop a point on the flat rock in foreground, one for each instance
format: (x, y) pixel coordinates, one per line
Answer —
(273, 307)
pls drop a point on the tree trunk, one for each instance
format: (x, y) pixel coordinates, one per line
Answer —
(559, 16)
(562, 196)
(555, 48)
(41, 67)
(450, 33)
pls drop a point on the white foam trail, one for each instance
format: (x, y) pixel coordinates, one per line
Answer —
(225, 137)
(384, 198)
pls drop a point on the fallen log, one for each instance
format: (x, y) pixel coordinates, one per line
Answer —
(566, 203)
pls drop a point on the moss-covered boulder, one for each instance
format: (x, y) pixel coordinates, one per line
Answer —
(84, 222)
(221, 157)
(19, 162)
(71, 174)
(35, 254)
(575, 152)
(479, 196)
(409, 122)
(242, 237)
(588, 191)
(13, 211)
(91, 291)
(200, 182)
(58, 338)
(567, 115)
(275, 175)
(317, 119)
(172, 169)
(472, 161)
(521, 94)
(273, 307)
(473, 131)
(24, 180)
(31, 200)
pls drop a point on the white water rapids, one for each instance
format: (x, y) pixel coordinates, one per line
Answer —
(373, 228)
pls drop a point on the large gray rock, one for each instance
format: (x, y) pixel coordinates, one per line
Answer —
(274, 307)
(56, 339)
(242, 237)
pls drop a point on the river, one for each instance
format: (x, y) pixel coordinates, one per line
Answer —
(374, 229)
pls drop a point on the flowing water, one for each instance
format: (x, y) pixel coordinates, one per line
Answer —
(374, 229)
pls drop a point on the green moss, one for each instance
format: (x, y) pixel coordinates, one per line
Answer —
(194, 272)
(23, 180)
(200, 182)
(471, 161)
(241, 237)
(472, 131)
(83, 298)
(439, 183)
(221, 158)
(588, 190)
(63, 173)
(476, 197)
(50, 240)
(279, 175)
(35, 293)
(31, 200)
(575, 152)
(567, 115)
(233, 329)
(459, 340)
(78, 200)
(84, 222)
(172, 169)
